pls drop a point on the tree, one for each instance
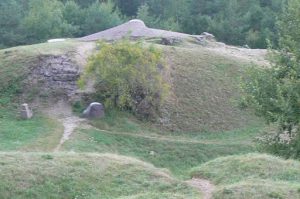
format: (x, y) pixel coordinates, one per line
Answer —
(129, 7)
(11, 15)
(74, 15)
(100, 16)
(45, 20)
(275, 92)
(144, 15)
(128, 77)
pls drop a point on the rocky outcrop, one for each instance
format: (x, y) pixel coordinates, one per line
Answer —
(54, 75)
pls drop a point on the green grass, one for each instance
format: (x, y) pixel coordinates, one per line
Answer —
(37, 134)
(204, 91)
(177, 152)
(262, 189)
(252, 176)
(88, 176)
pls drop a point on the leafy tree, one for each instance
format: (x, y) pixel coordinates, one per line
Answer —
(73, 15)
(45, 20)
(144, 14)
(100, 16)
(81, 3)
(152, 21)
(11, 16)
(275, 92)
(129, 7)
(251, 22)
(128, 77)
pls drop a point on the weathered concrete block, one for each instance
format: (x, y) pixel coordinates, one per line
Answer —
(26, 112)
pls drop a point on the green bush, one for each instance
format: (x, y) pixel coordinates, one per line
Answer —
(128, 76)
(274, 92)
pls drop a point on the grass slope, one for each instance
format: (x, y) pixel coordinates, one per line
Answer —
(177, 152)
(204, 91)
(88, 176)
(252, 176)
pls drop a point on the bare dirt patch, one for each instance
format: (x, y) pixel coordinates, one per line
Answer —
(70, 124)
(62, 112)
(202, 185)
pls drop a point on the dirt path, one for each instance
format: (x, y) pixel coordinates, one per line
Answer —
(70, 124)
(62, 112)
(204, 186)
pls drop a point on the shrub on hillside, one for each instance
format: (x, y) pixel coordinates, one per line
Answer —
(275, 92)
(128, 76)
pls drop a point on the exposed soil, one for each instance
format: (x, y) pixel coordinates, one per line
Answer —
(70, 124)
(62, 112)
(203, 186)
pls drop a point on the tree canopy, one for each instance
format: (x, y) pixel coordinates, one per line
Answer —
(249, 22)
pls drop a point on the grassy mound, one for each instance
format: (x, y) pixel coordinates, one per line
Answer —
(84, 176)
(252, 176)
(204, 91)
(227, 170)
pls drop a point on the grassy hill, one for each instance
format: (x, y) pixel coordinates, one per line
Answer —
(200, 122)
(252, 176)
(204, 90)
(204, 83)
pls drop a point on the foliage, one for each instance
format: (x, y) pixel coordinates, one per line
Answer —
(45, 20)
(10, 18)
(99, 16)
(74, 15)
(128, 76)
(143, 13)
(250, 22)
(275, 92)
(33, 21)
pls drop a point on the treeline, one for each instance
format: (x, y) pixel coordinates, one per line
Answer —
(250, 22)
(235, 22)
(33, 21)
